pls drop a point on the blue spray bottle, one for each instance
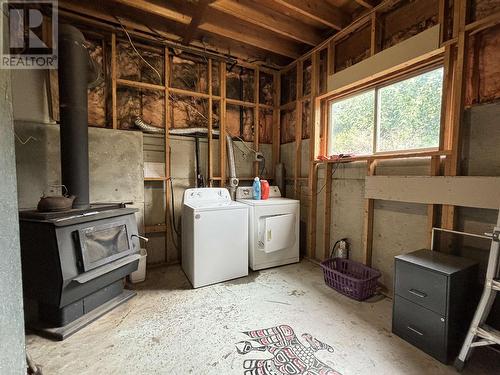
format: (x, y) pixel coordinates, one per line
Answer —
(256, 188)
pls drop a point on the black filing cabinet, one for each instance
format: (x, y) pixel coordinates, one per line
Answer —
(434, 300)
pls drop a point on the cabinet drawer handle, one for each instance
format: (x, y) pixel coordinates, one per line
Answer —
(415, 330)
(417, 293)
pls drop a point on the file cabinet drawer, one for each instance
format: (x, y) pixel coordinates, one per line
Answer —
(420, 327)
(425, 287)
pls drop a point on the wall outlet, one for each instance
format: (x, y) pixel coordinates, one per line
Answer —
(259, 156)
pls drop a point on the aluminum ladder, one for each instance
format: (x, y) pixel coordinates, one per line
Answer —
(479, 333)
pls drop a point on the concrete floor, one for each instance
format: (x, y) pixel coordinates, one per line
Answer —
(170, 328)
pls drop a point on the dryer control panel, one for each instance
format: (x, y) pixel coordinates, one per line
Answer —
(245, 192)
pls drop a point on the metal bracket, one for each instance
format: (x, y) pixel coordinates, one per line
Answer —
(495, 236)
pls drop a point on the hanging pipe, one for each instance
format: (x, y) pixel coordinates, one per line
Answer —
(233, 180)
(147, 128)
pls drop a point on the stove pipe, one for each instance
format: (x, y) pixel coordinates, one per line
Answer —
(73, 72)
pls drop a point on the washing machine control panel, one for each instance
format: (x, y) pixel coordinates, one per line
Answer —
(200, 195)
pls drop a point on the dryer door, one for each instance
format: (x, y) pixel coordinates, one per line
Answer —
(276, 232)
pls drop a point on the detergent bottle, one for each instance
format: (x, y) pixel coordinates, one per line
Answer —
(264, 189)
(256, 188)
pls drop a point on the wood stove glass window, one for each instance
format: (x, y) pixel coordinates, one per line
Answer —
(103, 244)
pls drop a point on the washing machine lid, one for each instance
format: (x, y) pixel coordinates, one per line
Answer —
(208, 206)
(210, 199)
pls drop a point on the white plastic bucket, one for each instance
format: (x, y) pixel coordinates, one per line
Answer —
(140, 275)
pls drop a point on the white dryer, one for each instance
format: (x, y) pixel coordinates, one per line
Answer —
(214, 236)
(273, 228)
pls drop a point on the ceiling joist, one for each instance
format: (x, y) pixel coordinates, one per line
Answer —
(274, 32)
(196, 20)
(268, 19)
(320, 11)
(368, 4)
(218, 24)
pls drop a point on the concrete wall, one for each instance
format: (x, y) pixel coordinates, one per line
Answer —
(11, 308)
(116, 164)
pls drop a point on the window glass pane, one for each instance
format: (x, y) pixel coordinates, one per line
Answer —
(351, 124)
(409, 113)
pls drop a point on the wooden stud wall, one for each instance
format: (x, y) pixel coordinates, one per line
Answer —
(168, 91)
(454, 62)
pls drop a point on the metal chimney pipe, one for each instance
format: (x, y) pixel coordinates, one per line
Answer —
(73, 72)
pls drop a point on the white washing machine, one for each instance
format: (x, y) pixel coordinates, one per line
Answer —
(273, 228)
(214, 236)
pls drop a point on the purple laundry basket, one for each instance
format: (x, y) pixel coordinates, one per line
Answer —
(350, 278)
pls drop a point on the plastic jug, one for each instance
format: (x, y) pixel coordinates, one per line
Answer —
(256, 188)
(264, 189)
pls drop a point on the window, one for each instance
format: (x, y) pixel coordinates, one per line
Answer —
(401, 116)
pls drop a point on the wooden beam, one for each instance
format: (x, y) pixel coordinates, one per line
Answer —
(222, 24)
(210, 171)
(328, 210)
(375, 34)
(217, 23)
(196, 20)
(355, 25)
(319, 11)
(270, 20)
(432, 208)
(452, 166)
(368, 4)
(368, 219)
(396, 155)
(114, 119)
(276, 121)
(298, 128)
(331, 58)
(158, 10)
(442, 14)
(465, 191)
(313, 152)
(222, 124)
(256, 125)
(166, 138)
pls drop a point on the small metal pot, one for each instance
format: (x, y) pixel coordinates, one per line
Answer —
(54, 203)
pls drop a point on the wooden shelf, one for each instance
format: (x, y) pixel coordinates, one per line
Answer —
(155, 178)
(400, 155)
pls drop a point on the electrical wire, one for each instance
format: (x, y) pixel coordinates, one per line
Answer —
(171, 97)
(333, 172)
(172, 200)
(23, 142)
(136, 51)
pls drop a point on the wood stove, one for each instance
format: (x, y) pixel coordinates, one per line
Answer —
(74, 262)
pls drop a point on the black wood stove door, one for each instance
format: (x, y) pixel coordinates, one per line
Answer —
(104, 243)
